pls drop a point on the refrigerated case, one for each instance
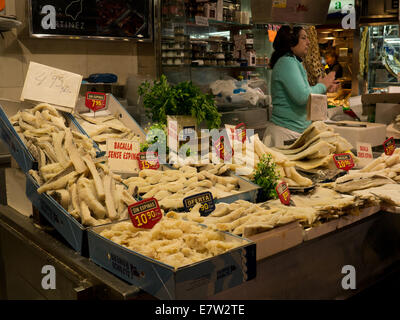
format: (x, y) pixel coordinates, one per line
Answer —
(383, 57)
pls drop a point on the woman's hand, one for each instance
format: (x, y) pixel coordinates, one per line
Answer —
(329, 82)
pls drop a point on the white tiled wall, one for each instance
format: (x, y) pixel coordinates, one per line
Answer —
(85, 57)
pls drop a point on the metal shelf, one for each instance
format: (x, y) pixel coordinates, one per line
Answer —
(8, 23)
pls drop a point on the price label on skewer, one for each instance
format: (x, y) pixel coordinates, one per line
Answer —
(148, 160)
(145, 214)
(205, 198)
(225, 154)
(343, 161)
(240, 131)
(389, 146)
(95, 101)
(283, 192)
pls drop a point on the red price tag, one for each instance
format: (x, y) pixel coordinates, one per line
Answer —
(240, 131)
(148, 160)
(220, 149)
(95, 100)
(389, 146)
(343, 161)
(145, 214)
(283, 192)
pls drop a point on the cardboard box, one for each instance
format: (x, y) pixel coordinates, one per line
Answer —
(373, 133)
(386, 112)
(278, 239)
(351, 218)
(322, 229)
(196, 281)
(317, 107)
(15, 183)
(391, 209)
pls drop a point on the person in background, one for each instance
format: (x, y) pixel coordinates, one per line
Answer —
(333, 64)
(290, 88)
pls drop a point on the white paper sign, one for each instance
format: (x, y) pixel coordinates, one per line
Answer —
(55, 86)
(201, 21)
(122, 155)
(317, 107)
(364, 153)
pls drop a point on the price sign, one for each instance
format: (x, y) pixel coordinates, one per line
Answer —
(145, 214)
(283, 192)
(95, 100)
(205, 198)
(364, 150)
(389, 146)
(122, 155)
(343, 161)
(221, 151)
(51, 85)
(148, 160)
(240, 131)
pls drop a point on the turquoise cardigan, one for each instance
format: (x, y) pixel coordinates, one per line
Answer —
(289, 91)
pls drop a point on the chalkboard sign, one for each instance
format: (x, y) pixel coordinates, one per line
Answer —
(97, 19)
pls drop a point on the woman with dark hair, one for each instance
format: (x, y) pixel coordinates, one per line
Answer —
(290, 88)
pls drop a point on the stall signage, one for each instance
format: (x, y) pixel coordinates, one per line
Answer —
(205, 198)
(122, 155)
(389, 146)
(364, 150)
(201, 21)
(343, 161)
(55, 86)
(283, 192)
(279, 4)
(224, 154)
(145, 214)
(95, 100)
(148, 160)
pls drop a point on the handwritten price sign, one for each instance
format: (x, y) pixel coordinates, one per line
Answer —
(206, 199)
(343, 161)
(51, 85)
(389, 146)
(148, 160)
(145, 214)
(283, 192)
(95, 101)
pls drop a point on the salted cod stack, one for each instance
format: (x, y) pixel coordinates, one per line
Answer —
(315, 148)
(245, 218)
(68, 169)
(384, 170)
(101, 128)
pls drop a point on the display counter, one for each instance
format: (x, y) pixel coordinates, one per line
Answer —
(310, 270)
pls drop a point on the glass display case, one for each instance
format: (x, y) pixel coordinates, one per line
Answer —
(211, 40)
(207, 40)
(383, 57)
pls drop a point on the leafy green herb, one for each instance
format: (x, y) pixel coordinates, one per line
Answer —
(266, 176)
(162, 99)
(152, 138)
